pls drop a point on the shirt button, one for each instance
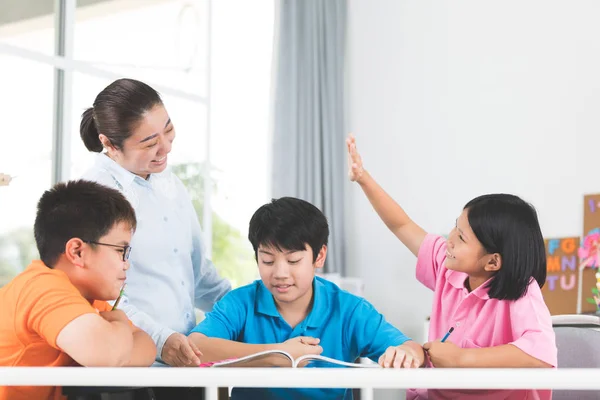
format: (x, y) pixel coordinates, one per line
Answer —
(165, 219)
(175, 250)
(182, 283)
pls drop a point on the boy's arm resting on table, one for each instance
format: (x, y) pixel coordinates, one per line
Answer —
(417, 351)
(216, 349)
(215, 336)
(143, 353)
(407, 355)
(92, 341)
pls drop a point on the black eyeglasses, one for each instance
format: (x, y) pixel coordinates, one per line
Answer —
(126, 249)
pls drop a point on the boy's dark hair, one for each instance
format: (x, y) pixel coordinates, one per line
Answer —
(77, 209)
(288, 223)
(116, 112)
(507, 225)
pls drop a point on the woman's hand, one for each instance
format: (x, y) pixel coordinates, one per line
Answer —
(178, 351)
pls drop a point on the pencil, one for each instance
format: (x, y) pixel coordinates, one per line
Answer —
(119, 298)
(447, 334)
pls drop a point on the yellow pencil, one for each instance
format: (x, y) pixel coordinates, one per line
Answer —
(119, 298)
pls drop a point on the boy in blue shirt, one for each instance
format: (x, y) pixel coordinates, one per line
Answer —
(293, 310)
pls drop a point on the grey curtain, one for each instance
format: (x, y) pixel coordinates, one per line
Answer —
(309, 160)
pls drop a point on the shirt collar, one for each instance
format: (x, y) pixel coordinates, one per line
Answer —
(321, 304)
(265, 303)
(122, 177)
(457, 280)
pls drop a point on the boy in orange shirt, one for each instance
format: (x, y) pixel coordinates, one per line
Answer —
(55, 312)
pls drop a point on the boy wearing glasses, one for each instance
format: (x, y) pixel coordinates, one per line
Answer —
(55, 312)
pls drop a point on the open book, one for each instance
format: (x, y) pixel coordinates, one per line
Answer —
(309, 360)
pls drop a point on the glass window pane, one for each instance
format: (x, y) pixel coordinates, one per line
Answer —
(161, 42)
(188, 154)
(28, 24)
(189, 120)
(26, 155)
(85, 89)
(240, 149)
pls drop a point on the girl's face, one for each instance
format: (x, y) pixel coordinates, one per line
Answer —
(145, 151)
(464, 252)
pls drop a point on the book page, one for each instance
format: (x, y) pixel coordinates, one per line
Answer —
(318, 361)
(268, 358)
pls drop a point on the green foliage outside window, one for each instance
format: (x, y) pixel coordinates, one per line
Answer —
(17, 249)
(232, 254)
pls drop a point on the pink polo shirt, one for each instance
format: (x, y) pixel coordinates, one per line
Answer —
(479, 321)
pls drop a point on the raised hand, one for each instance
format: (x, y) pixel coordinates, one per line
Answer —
(355, 165)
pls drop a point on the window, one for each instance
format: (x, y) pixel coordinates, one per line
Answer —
(25, 155)
(217, 97)
(240, 152)
(27, 93)
(28, 27)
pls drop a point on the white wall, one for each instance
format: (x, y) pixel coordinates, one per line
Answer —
(452, 99)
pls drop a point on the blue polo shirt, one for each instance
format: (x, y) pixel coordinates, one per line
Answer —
(349, 327)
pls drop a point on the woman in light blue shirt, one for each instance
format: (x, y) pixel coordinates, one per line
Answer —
(169, 275)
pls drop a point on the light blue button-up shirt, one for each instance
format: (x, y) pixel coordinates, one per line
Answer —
(169, 273)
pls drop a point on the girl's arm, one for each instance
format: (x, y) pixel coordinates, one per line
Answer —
(504, 356)
(389, 211)
(449, 355)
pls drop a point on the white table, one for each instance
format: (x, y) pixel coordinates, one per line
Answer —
(367, 378)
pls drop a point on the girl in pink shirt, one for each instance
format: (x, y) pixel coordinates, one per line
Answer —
(486, 279)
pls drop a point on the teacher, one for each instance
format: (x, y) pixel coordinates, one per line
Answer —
(130, 128)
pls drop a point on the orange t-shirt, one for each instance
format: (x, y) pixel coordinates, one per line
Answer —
(34, 307)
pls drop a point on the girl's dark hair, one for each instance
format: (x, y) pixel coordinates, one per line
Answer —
(507, 225)
(289, 223)
(116, 112)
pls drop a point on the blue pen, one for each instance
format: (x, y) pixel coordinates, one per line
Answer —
(447, 334)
